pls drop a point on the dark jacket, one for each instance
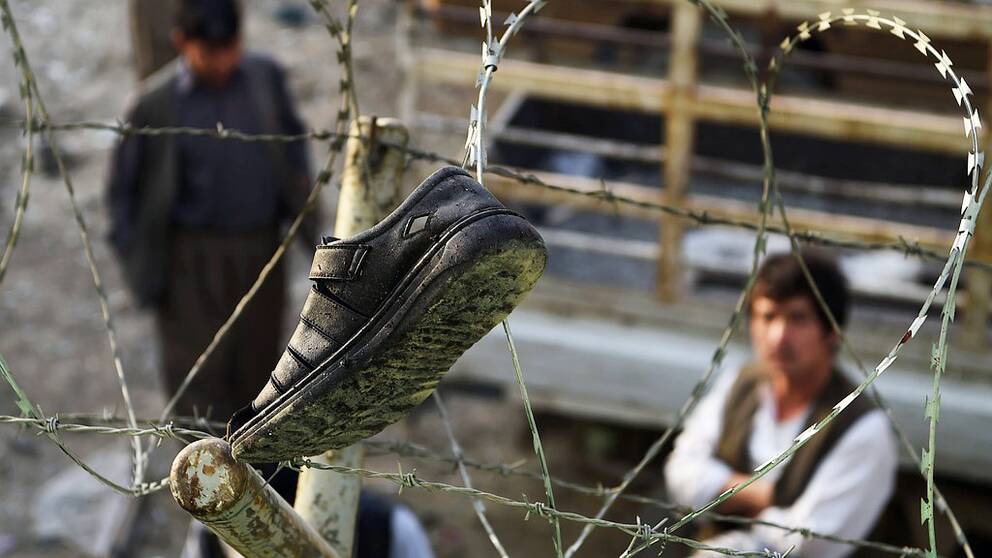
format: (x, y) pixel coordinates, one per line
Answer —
(144, 176)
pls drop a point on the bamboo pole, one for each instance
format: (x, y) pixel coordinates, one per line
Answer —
(679, 141)
(234, 501)
(370, 189)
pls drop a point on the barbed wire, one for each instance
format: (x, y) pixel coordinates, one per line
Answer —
(410, 480)
(459, 461)
(970, 207)
(476, 153)
(605, 194)
(181, 427)
(716, 360)
(35, 103)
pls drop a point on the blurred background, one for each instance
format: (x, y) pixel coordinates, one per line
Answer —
(594, 96)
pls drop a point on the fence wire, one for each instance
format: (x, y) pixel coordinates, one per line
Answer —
(606, 194)
(37, 120)
(182, 428)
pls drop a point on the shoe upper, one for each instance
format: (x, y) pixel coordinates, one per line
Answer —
(354, 276)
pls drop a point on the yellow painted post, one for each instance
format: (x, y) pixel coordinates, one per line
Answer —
(679, 140)
(370, 190)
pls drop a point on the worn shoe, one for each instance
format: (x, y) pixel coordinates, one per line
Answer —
(391, 310)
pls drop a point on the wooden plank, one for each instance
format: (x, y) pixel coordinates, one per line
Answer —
(811, 116)
(936, 17)
(606, 89)
(788, 181)
(840, 226)
(947, 19)
(680, 139)
(635, 372)
(906, 291)
(836, 120)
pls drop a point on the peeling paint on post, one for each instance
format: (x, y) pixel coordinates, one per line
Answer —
(233, 501)
(370, 183)
(328, 501)
(370, 190)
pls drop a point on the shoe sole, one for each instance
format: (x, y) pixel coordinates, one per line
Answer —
(472, 282)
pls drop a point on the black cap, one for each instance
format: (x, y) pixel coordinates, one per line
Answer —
(217, 22)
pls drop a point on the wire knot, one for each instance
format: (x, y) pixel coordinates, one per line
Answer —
(52, 425)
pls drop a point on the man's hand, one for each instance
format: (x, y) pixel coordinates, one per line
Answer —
(749, 502)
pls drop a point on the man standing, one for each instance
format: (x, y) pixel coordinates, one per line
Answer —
(840, 480)
(194, 219)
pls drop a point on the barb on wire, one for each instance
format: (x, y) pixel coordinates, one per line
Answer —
(908, 247)
(969, 212)
(30, 85)
(456, 450)
(181, 428)
(976, 157)
(716, 360)
(27, 161)
(50, 427)
(475, 153)
(410, 480)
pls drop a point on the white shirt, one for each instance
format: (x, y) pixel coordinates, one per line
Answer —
(844, 497)
(407, 539)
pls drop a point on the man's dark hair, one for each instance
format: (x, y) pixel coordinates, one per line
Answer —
(780, 278)
(216, 22)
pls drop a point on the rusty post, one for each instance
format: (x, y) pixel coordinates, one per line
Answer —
(370, 190)
(234, 501)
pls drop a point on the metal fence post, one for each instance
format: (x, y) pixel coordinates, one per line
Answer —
(370, 189)
(234, 501)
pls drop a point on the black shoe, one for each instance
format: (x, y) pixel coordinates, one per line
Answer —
(391, 310)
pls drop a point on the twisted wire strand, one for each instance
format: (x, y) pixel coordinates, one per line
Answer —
(185, 428)
(970, 206)
(31, 92)
(952, 268)
(906, 246)
(475, 153)
(459, 460)
(971, 203)
(410, 480)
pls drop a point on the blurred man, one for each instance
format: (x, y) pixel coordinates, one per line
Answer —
(839, 482)
(194, 219)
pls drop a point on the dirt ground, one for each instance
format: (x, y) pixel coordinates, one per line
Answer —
(52, 336)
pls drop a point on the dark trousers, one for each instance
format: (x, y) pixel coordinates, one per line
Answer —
(209, 272)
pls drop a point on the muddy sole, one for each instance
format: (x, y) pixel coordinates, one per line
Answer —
(380, 381)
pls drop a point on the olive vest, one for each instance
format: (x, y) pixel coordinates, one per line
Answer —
(738, 418)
